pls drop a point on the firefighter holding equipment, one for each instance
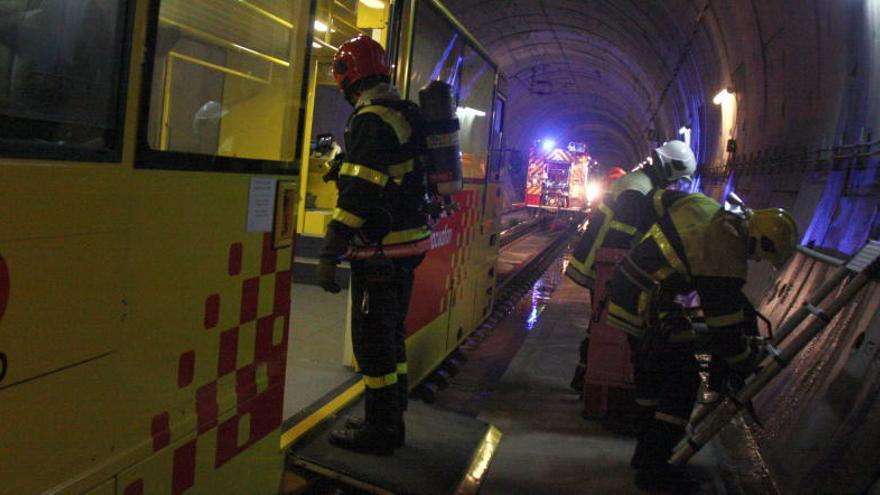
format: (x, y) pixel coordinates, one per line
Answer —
(622, 218)
(694, 245)
(380, 225)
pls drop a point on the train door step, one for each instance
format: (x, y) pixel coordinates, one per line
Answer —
(445, 453)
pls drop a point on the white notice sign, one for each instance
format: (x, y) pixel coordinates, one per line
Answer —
(261, 205)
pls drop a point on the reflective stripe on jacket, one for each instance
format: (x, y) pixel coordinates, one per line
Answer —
(618, 222)
(381, 185)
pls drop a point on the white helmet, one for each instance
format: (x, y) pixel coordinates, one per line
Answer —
(677, 161)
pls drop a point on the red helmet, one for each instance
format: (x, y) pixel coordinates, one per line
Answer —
(358, 58)
(614, 174)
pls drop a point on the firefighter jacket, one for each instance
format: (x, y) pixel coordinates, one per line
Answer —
(620, 221)
(695, 245)
(382, 186)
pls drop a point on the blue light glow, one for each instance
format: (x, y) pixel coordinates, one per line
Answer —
(548, 145)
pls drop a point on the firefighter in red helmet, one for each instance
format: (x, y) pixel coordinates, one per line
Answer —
(380, 226)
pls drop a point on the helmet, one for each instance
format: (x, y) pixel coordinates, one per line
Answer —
(614, 174)
(358, 58)
(675, 160)
(772, 235)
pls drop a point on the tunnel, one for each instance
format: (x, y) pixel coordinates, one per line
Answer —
(763, 89)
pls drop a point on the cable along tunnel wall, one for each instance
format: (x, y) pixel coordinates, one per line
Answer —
(822, 413)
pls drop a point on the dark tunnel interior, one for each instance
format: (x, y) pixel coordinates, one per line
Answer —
(625, 75)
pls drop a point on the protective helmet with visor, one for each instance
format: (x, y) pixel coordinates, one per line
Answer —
(773, 235)
(675, 160)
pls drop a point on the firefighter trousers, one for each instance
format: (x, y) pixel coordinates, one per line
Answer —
(379, 309)
(667, 380)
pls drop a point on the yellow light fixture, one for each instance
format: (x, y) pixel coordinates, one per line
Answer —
(722, 97)
(373, 4)
(321, 27)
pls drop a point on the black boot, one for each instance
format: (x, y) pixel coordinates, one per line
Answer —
(354, 422)
(577, 381)
(653, 450)
(644, 418)
(380, 432)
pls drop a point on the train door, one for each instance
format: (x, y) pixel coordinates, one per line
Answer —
(210, 248)
(320, 358)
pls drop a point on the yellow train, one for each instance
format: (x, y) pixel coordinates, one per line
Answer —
(156, 168)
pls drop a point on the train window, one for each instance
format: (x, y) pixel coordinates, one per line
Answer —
(437, 51)
(227, 80)
(475, 112)
(60, 73)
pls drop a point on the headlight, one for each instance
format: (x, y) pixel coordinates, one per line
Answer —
(594, 190)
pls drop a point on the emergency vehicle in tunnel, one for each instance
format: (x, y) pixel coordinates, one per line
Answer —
(559, 178)
(163, 204)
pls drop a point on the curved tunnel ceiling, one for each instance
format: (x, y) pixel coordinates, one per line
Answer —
(596, 71)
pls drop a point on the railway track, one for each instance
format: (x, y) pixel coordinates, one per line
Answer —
(508, 293)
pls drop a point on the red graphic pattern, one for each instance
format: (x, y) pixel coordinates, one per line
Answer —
(258, 385)
(434, 277)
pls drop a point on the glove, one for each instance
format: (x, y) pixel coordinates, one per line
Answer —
(327, 277)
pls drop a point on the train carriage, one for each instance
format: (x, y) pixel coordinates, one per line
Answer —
(157, 185)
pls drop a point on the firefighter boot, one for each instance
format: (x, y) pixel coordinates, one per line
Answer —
(403, 398)
(380, 432)
(644, 417)
(656, 474)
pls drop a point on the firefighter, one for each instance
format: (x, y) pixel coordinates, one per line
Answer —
(695, 245)
(379, 224)
(622, 218)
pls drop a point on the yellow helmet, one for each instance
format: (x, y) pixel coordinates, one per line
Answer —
(773, 236)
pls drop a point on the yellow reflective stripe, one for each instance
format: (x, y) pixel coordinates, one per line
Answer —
(627, 229)
(725, 320)
(347, 218)
(393, 118)
(598, 241)
(620, 313)
(739, 357)
(663, 273)
(380, 381)
(668, 251)
(579, 269)
(401, 169)
(405, 236)
(401, 369)
(658, 202)
(363, 172)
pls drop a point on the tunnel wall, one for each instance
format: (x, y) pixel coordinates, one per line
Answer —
(807, 81)
(822, 414)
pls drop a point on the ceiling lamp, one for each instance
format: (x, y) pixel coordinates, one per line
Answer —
(373, 4)
(320, 27)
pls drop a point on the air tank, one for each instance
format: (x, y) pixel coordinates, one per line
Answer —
(443, 152)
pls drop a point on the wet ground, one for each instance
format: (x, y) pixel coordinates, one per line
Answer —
(517, 379)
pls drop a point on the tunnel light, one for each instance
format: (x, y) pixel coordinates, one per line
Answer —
(315, 44)
(548, 145)
(321, 27)
(463, 112)
(373, 4)
(722, 97)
